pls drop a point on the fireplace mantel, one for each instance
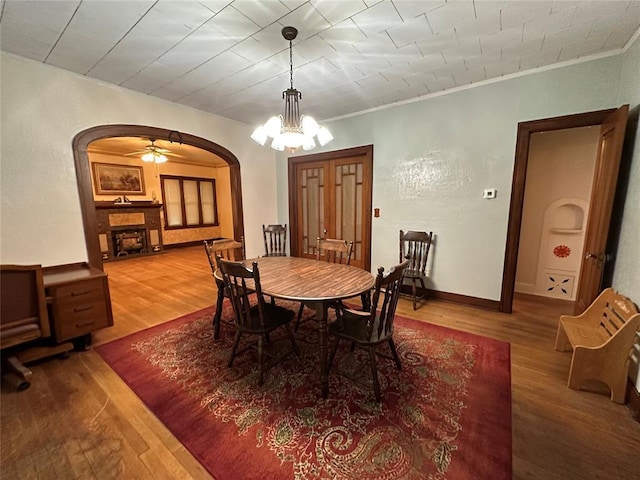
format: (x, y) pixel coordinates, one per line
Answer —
(130, 205)
(120, 223)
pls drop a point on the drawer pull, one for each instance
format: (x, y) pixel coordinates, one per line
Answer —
(77, 294)
(84, 324)
(82, 309)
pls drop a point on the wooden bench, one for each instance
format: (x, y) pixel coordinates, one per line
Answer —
(601, 339)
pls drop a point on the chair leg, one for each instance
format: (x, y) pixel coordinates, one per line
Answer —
(353, 346)
(217, 317)
(413, 291)
(261, 340)
(299, 317)
(332, 354)
(394, 352)
(365, 298)
(236, 342)
(424, 289)
(374, 372)
(293, 340)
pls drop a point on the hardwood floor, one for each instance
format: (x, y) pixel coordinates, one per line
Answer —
(79, 420)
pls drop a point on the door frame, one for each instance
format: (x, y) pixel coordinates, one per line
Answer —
(83, 175)
(365, 151)
(525, 130)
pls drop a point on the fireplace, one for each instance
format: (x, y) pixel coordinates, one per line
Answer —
(126, 230)
(130, 241)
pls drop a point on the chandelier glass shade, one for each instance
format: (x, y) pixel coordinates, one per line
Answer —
(291, 130)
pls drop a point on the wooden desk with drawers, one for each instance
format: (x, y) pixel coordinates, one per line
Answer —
(78, 302)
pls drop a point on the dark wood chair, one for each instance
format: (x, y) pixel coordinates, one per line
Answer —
(23, 317)
(228, 249)
(330, 250)
(415, 247)
(258, 318)
(375, 327)
(275, 240)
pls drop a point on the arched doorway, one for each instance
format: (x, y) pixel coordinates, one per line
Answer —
(83, 174)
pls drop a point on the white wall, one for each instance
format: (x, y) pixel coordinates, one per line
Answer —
(43, 108)
(433, 158)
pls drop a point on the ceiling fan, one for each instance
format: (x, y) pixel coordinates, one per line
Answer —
(153, 153)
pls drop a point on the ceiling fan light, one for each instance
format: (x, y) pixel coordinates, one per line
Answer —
(324, 136)
(259, 135)
(273, 127)
(154, 157)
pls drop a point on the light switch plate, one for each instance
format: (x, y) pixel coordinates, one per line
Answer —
(489, 193)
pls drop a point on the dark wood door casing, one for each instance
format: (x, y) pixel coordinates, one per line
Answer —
(366, 152)
(83, 174)
(525, 130)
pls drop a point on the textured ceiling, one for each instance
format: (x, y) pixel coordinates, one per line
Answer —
(229, 58)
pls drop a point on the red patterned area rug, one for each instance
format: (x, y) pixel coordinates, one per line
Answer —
(445, 415)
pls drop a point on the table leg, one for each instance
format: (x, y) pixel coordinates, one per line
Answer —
(321, 317)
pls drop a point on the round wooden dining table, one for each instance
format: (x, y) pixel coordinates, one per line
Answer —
(316, 283)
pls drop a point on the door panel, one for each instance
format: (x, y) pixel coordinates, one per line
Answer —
(330, 197)
(603, 193)
(311, 214)
(348, 187)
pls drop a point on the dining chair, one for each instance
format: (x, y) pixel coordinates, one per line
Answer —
(23, 317)
(415, 247)
(330, 250)
(275, 240)
(228, 249)
(375, 327)
(257, 318)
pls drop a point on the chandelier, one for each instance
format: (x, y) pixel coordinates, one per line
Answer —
(292, 130)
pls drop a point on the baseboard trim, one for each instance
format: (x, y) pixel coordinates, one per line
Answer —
(633, 401)
(456, 298)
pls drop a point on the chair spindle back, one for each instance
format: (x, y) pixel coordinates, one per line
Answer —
(239, 282)
(385, 300)
(225, 248)
(415, 246)
(334, 250)
(275, 240)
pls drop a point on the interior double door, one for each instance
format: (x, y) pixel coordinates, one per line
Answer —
(330, 197)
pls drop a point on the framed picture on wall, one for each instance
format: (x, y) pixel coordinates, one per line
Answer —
(113, 179)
